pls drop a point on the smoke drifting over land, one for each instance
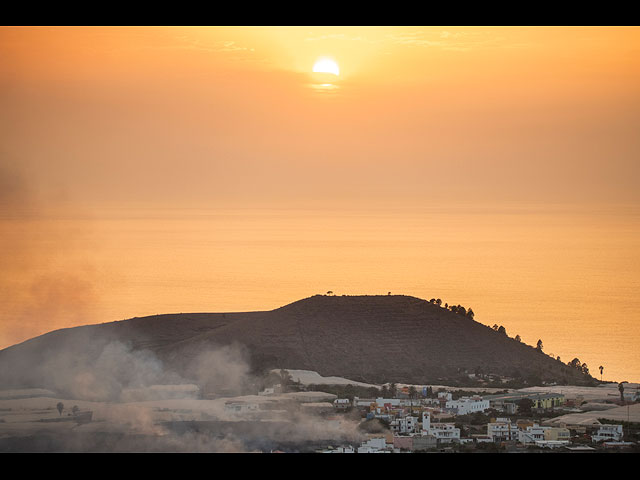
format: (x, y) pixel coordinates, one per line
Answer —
(47, 279)
(139, 405)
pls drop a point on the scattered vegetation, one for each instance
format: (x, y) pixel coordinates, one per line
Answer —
(581, 367)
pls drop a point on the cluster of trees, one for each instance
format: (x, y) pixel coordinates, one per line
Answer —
(501, 329)
(582, 367)
(60, 407)
(454, 308)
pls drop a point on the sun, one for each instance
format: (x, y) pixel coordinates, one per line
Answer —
(326, 65)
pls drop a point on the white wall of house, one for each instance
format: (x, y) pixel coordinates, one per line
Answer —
(502, 430)
(531, 434)
(444, 432)
(394, 402)
(608, 433)
(373, 445)
(447, 396)
(467, 405)
(406, 424)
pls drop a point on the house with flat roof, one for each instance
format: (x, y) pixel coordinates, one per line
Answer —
(608, 433)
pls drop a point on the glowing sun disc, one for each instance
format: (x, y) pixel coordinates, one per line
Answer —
(326, 65)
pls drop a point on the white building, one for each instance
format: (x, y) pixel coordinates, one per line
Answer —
(532, 434)
(380, 402)
(444, 432)
(341, 403)
(467, 405)
(608, 433)
(374, 445)
(446, 396)
(406, 424)
(393, 402)
(502, 430)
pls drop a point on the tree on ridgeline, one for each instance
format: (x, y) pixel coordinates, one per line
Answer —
(518, 339)
(539, 345)
(470, 314)
(438, 302)
(495, 327)
(575, 363)
(502, 330)
(601, 369)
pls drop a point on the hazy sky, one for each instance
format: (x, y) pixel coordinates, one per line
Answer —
(229, 116)
(104, 130)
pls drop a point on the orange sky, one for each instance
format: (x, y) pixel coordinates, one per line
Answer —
(228, 115)
(99, 124)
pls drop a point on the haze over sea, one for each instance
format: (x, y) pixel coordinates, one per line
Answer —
(564, 275)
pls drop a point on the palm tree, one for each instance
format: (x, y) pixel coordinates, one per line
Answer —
(601, 369)
(393, 390)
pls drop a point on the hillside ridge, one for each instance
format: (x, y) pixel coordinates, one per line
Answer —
(366, 338)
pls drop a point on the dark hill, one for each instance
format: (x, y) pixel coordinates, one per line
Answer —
(373, 339)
